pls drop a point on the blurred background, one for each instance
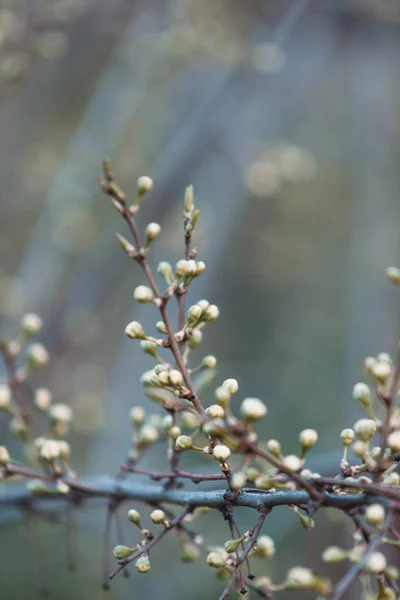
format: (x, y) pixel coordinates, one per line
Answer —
(284, 115)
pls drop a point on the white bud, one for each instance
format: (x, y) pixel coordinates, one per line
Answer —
(393, 273)
(203, 304)
(158, 517)
(5, 396)
(375, 514)
(392, 479)
(393, 441)
(183, 268)
(176, 378)
(38, 355)
(31, 323)
(61, 412)
(365, 429)
(160, 326)
(165, 270)
(292, 462)
(200, 268)
(50, 450)
(4, 456)
(134, 330)
(299, 577)
(211, 314)
(183, 442)
(362, 393)
(274, 447)
(148, 434)
(144, 184)
(149, 347)
(215, 411)
(382, 370)
(221, 452)
(253, 409)
(137, 415)
(222, 395)
(216, 560)
(231, 385)
(238, 480)
(143, 294)
(153, 230)
(376, 562)
(64, 449)
(347, 437)
(308, 438)
(195, 339)
(265, 546)
(333, 554)
(209, 362)
(42, 398)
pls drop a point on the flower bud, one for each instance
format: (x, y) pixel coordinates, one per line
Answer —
(4, 456)
(347, 437)
(333, 554)
(238, 480)
(375, 514)
(134, 517)
(134, 330)
(253, 409)
(153, 230)
(149, 347)
(365, 429)
(231, 385)
(183, 442)
(5, 396)
(381, 370)
(194, 313)
(221, 452)
(215, 411)
(362, 393)
(203, 304)
(165, 270)
(143, 294)
(208, 362)
(148, 434)
(216, 560)
(265, 547)
(31, 324)
(231, 546)
(264, 482)
(376, 562)
(223, 396)
(308, 438)
(300, 577)
(360, 449)
(195, 339)
(160, 326)
(292, 462)
(393, 441)
(61, 412)
(176, 378)
(42, 398)
(137, 415)
(189, 553)
(174, 432)
(144, 184)
(211, 314)
(274, 447)
(50, 450)
(393, 274)
(392, 479)
(158, 517)
(38, 355)
(120, 552)
(200, 268)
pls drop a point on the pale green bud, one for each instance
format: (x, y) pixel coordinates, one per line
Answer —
(176, 378)
(222, 396)
(135, 331)
(165, 270)
(211, 314)
(143, 564)
(238, 481)
(134, 517)
(393, 274)
(365, 429)
(265, 547)
(158, 517)
(148, 434)
(216, 560)
(120, 552)
(143, 294)
(195, 339)
(300, 577)
(292, 462)
(362, 393)
(347, 437)
(160, 326)
(149, 347)
(200, 268)
(194, 313)
(189, 553)
(308, 438)
(183, 442)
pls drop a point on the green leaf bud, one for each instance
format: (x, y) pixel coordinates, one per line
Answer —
(158, 517)
(308, 438)
(148, 434)
(125, 245)
(176, 378)
(189, 553)
(393, 441)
